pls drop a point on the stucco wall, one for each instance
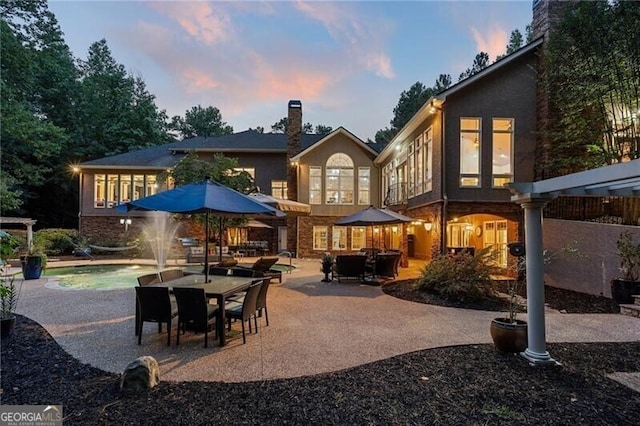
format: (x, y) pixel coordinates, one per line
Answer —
(595, 263)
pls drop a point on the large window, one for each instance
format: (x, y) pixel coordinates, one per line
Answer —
(339, 179)
(320, 238)
(428, 166)
(250, 170)
(111, 190)
(339, 238)
(502, 152)
(315, 185)
(279, 189)
(358, 237)
(411, 172)
(364, 185)
(470, 149)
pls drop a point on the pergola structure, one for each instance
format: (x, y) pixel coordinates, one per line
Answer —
(621, 179)
(21, 221)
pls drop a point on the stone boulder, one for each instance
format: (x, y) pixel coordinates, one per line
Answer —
(142, 373)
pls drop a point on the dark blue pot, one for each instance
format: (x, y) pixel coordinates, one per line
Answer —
(31, 267)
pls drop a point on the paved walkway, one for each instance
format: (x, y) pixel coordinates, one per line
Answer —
(315, 327)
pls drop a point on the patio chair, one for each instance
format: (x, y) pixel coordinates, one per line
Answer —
(154, 305)
(261, 303)
(171, 274)
(145, 280)
(247, 310)
(349, 266)
(195, 311)
(195, 254)
(386, 264)
(217, 270)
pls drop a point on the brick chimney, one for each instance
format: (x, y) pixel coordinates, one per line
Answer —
(294, 135)
(547, 15)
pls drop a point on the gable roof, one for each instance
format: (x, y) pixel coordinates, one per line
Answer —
(167, 155)
(340, 130)
(436, 101)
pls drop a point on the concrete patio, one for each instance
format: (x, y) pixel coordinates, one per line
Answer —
(315, 327)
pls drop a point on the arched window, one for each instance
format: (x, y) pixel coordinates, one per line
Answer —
(340, 180)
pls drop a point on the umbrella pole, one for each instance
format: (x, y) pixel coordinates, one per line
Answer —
(220, 241)
(206, 248)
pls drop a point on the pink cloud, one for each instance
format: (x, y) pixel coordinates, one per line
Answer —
(197, 80)
(198, 19)
(493, 41)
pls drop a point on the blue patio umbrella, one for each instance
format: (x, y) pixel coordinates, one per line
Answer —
(203, 197)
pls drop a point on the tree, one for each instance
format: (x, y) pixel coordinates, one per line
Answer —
(280, 126)
(480, 62)
(410, 102)
(199, 121)
(515, 43)
(323, 130)
(592, 75)
(442, 83)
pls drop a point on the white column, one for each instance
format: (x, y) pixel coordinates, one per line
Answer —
(29, 237)
(536, 351)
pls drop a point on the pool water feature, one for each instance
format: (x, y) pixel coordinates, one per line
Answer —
(97, 277)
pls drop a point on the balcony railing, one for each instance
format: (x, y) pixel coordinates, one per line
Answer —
(396, 194)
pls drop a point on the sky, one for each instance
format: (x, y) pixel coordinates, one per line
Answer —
(347, 61)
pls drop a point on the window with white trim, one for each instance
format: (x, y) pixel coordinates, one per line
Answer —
(279, 189)
(428, 166)
(339, 238)
(470, 149)
(315, 185)
(358, 237)
(364, 185)
(339, 179)
(111, 190)
(320, 238)
(419, 153)
(502, 152)
(411, 172)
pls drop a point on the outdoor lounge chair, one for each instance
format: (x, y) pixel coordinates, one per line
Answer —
(264, 265)
(349, 266)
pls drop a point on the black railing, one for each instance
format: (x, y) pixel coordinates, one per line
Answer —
(396, 194)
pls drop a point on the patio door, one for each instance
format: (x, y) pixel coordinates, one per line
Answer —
(282, 238)
(495, 236)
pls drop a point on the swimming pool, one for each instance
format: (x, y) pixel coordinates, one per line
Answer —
(97, 277)
(108, 277)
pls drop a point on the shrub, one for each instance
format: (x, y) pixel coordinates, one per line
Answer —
(56, 241)
(459, 278)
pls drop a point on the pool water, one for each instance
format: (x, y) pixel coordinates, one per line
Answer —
(109, 277)
(98, 277)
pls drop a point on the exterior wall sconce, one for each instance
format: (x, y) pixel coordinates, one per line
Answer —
(428, 226)
(394, 229)
(126, 223)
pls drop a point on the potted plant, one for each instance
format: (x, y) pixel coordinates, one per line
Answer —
(509, 334)
(9, 288)
(32, 264)
(622, 288)
(327, 266)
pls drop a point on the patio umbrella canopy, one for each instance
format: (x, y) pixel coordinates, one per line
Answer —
(373, 216)
(290, 207)
(203, 197)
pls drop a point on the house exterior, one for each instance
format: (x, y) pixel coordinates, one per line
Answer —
(335, 174)
(448, 165)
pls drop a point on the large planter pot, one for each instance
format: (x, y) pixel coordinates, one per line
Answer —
(621, 290)
(509, 336)
(6, 326)
(31, 267)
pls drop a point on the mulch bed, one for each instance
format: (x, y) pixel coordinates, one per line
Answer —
(567, 301)
(472, 384)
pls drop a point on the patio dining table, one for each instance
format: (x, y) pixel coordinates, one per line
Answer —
(218, 287)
